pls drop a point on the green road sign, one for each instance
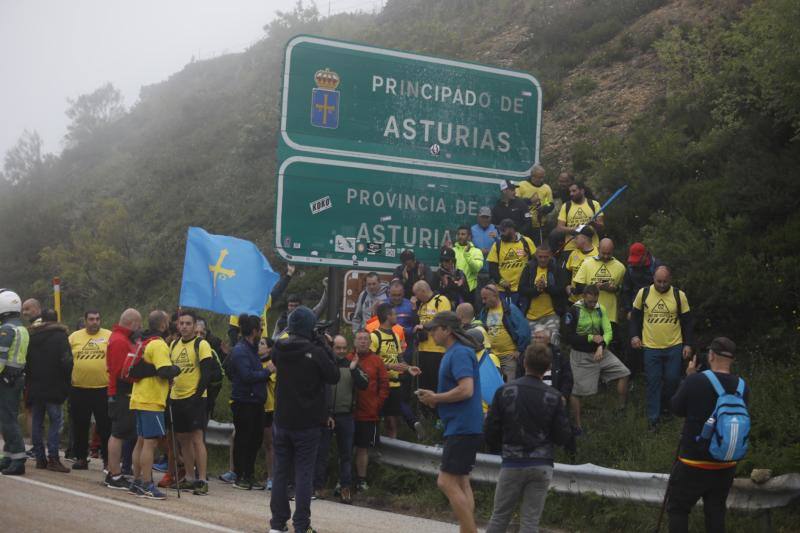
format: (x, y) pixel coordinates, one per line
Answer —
(353, 213)
(346, 100)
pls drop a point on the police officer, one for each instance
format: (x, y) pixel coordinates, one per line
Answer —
(13, 349)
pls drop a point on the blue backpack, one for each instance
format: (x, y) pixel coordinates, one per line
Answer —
(491, 379)
(728, 428)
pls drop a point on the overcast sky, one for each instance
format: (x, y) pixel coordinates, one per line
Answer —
(51, 50)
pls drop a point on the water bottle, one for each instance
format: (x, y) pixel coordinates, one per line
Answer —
(708, 428)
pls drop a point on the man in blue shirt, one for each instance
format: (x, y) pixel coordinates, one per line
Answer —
(484, 235)
(458, 400)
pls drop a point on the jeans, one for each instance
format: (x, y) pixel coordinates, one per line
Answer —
(528, 483)
(344, 429)
(54, 413)
(13, 445)
(83, 403)
(248, 420)
(687, 485)
(297, 448)
(661, 364)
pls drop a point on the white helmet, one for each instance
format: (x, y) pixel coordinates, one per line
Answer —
(9, 302)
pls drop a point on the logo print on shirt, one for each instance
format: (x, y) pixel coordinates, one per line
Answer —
(602, 274)
(513, 258)
(660, 314)
(183, 362)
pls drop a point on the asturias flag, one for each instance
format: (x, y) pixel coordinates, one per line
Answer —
(225, 274)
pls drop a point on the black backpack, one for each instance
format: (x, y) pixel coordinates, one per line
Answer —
(525, 247)
(568, 206)
(676, 293)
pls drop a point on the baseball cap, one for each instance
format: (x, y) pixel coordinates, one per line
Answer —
(507, 223)
(444, 319)
(505, 184)
(586, 231)
(723, 346)
(484, 212)
(447, 254)
(636, 252)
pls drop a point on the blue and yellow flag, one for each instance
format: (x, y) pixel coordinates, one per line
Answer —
(225, 274)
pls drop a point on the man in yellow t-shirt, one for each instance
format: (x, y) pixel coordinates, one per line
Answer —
(579, 211)
(148, 401)
(661, 324)
(544, 287)
(193, 356)
(584, 249)
(503, 345)
(507, 259)
(88, 394)
(385, 343)
(606, 272)
(540, 196)
(429, 353)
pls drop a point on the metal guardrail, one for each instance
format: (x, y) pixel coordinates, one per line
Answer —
(642, 487)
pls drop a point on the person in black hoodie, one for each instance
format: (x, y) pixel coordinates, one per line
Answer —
(305, 364)
(48, 372)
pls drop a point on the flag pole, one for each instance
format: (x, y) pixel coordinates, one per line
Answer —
(57, 297)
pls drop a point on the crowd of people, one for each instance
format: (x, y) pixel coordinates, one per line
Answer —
(526, 313)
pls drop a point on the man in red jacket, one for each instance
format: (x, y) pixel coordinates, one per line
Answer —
(123, 423)
(368, 405)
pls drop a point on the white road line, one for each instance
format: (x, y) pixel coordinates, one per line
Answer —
(137, 508)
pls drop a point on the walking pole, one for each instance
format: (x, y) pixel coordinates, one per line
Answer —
(174, 450)
(666, 492)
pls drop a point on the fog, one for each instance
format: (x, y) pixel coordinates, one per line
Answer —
(52, 50)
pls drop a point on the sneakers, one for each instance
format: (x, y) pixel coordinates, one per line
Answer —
(243, 484)
(5, 462)
(168, 482)
(41, 464)
(200, 488)
(117, 482)
(228, 477)
(255, 485)
(54, 465)
(151, 492)
(136, 488)
(14, 468)
(269, 484)
(80, 464)
(185, 484)
(161, 466)
(361, 485)
(282, 530)
(420, 430)
(345, 496)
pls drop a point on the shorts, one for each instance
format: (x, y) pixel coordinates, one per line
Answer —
(123, 421)
(188, 415)
(150, 424)
(268, 418)
(366, 435)
(391, 407)
(586, 371)
(458, 455)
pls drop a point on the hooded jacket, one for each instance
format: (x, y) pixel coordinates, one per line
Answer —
(580, 324)
(515, 323)
(370, 400)
(48, 368)
(557, 281)
(469, 260)
(303, 368)
(636, 278)
(342, 396)
(120, 344)
(365, 303)
(248, 377)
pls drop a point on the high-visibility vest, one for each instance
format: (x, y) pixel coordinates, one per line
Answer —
(14, 355)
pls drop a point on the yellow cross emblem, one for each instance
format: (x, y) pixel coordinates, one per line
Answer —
(325, 109)
(219, 271)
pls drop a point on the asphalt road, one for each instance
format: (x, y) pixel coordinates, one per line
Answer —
(44, 501)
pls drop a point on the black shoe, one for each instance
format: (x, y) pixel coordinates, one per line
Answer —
(16, 468)
(81, 464)
(117, 482)
(5, 462)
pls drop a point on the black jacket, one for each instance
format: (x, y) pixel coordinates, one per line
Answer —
(637, 278)
(419, 272)
(696, 400)
(303, 367)
(48, 367)
(557, 281)
(561, 377)
(525, 422)
(517, 210)
(444, 284)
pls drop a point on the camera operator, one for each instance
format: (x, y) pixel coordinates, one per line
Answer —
(304, 363)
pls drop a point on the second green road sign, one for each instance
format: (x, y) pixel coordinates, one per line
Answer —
(446, 132)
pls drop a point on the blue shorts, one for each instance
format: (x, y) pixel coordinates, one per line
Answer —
(150, 424)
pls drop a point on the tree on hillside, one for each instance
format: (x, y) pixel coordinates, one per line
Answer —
(92, 112)
(24, 161)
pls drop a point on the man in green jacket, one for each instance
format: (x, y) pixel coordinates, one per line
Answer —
(469, 258)
(587, 329)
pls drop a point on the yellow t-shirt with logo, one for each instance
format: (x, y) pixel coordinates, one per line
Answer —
(150, 394)
(425, 312)
(183, 356)
(593, 270)
(661, 327)
(511, 260)
(542, 305)
(387, 345)
(234, 320)
(502, 343)
(579, 214)
(89, 370)
(526, 190)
